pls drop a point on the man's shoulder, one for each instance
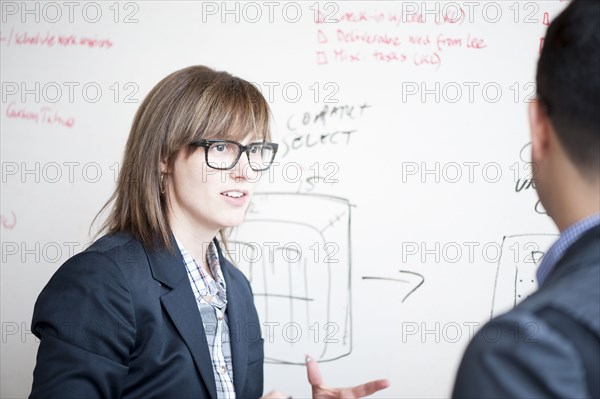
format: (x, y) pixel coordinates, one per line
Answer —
(519, 354)
(576, 294)
(526, 328)
(525, 353)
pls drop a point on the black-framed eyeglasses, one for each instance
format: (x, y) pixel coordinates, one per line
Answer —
(225, 154)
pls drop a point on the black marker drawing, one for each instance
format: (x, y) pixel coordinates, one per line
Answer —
(515, 278)
(527, 182)
(525, 153)
(412, 285)
(539, 208)
(294, 249)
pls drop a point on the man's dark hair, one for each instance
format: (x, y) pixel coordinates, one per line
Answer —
(568, 82)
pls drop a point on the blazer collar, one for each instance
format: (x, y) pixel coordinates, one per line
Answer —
(169, 269)
(166, 266)
(238, 326)
(179, 303)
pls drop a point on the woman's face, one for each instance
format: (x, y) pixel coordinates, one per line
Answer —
(209, 199)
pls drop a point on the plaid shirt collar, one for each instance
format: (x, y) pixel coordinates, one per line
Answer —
(214, 286)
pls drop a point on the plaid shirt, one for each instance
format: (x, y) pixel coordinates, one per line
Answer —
(211, 298)
(566, 239)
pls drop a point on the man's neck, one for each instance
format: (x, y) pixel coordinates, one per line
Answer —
(578, 201)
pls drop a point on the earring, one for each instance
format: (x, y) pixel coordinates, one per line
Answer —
(162, 183)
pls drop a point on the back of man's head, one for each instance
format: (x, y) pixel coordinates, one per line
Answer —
(568, 82)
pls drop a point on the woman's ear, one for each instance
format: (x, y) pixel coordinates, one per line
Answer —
(540, 127)
(164, 167)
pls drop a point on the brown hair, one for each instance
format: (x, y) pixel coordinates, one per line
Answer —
(190, 104)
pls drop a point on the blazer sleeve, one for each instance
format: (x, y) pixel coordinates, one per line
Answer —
(518, 355)
(85, 321)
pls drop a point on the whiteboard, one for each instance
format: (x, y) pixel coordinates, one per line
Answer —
(399, 215)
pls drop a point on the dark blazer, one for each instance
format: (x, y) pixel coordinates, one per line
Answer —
(519, 355)
(120, 320)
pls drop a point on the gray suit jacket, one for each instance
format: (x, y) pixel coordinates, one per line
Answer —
(120, 320)
(519, 355)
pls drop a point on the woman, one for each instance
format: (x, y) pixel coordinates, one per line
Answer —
(153, 308)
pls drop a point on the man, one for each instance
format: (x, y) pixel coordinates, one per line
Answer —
(549, 345)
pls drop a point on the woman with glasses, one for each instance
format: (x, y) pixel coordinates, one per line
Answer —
(153, 309)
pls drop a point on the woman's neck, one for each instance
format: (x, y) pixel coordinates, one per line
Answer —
(195, 239)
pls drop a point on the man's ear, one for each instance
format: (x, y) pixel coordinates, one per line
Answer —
(540, 127)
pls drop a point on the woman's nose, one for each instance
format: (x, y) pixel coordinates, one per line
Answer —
(243, 170)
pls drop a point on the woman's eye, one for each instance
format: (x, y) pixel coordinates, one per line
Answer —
(220, 147)
(254, 150)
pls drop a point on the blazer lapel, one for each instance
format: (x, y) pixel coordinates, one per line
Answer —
(180, 305)
(236, 316)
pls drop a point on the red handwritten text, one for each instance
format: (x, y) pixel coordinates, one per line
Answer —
(54, 40)
(45, 115)
(7, 223)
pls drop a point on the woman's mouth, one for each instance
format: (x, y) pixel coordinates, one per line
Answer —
(235, 197)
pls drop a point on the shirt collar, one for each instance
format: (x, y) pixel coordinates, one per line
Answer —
(212, 257)
(560, 247)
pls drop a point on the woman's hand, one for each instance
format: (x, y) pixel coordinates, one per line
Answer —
(320, 391)
(276, 395)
